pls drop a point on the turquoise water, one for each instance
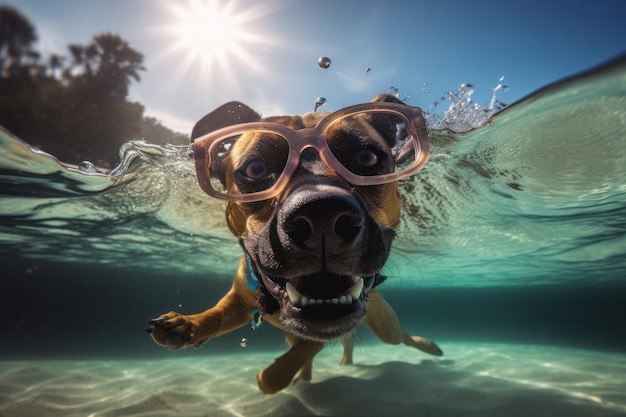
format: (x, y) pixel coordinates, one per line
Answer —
(511, 255)
(535, 196)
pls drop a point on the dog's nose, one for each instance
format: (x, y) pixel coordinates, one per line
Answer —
(332, 222)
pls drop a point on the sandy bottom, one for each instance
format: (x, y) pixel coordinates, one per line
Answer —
(471, 380)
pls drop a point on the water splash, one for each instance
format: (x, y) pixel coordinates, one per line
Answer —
(464, 114)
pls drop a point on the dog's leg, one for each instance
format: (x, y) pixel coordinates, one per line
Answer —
(234, 310)
(382, 320)
(348, 347)
(281, 373)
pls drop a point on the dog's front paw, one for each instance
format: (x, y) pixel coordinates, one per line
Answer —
(173, 330)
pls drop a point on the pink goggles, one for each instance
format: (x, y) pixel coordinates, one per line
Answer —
(365, 144)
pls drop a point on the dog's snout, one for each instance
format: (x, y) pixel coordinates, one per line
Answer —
(331, 222)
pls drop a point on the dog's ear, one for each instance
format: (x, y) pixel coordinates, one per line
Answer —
(228, 114)
(387, 98)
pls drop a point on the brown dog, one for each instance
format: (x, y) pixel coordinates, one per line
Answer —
(314, 204)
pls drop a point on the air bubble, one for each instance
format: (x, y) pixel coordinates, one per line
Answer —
(320, 101)
(87, 167)
(324, 62)
(393, 90)
(244, 342)
(368, 70)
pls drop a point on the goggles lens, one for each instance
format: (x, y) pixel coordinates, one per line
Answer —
(251, 162)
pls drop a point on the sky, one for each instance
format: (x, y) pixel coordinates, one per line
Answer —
(200, 54)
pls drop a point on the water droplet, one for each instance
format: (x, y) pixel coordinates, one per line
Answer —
(501, 78)
(498, 105)
(501, 87)
(406, 97)
(393, 90)
(244, 342)
(320, 101)
(436, 104)
(87, 167)
(368, 70)
(324, 62)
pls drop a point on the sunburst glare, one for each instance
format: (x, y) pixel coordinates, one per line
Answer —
(209, 37)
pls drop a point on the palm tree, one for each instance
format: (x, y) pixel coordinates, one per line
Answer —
(108, 63)
(55, 64)
(16, 37)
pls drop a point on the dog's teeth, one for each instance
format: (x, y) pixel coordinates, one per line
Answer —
(294, 296)
(356, 290)
(297, 299)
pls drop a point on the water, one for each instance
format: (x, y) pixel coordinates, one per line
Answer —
(536, 194)
(512, 239)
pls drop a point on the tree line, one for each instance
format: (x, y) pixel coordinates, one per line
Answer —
(74, 107)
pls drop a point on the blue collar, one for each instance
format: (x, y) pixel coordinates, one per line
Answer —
(252, 281)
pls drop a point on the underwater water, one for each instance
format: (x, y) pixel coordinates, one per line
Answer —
(511, 254)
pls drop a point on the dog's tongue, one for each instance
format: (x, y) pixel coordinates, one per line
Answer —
(323, 285)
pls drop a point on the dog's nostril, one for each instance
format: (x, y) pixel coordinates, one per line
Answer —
(300, 230)
(348, 227)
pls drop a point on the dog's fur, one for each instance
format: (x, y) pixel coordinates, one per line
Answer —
(320, 235)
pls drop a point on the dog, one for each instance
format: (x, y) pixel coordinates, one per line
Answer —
(314, 203)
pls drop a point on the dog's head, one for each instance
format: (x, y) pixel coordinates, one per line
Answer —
(318, 246)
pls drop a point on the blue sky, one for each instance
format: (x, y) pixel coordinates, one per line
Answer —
(269, 48)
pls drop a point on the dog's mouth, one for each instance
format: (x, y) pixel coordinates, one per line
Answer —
(322, 305)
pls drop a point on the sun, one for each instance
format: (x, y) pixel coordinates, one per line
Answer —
(206, 30)
(210, 36)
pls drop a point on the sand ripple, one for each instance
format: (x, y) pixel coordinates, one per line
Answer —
(472, 380)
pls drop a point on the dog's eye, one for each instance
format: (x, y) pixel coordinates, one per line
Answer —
(255, 170)
(366, 158)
